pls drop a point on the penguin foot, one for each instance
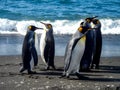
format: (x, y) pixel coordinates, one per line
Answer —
(22, 70)
(85, 70)
(63, 75)
(31, 72)
(80, 76)
(47, 68)
(54, 67)
(50, 67)
(36, 67)
(92, 66)
(97, 67)
(67, 77)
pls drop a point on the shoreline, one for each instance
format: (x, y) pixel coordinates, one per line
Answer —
(105, 78)
(12, 44)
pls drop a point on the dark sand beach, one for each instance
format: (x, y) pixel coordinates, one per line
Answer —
(106, 78)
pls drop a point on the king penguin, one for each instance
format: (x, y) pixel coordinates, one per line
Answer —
(29, 50)
(89, 47)
(98, 44)
(75, 50)
(47, 46)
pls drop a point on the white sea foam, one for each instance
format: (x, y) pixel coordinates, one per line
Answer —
(109, 26)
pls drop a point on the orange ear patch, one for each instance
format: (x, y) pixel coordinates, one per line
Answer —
(80, 29)
(29, 27)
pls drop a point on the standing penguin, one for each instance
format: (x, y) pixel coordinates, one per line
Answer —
(87, 56)
(75, 50)
(98, 44)
(47, 46)
(29, 50)
(89, 47)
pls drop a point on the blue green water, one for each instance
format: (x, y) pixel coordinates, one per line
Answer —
(64, 15)
(58, 9)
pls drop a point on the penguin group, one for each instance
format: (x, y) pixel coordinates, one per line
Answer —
(47, 48)
(82, 53)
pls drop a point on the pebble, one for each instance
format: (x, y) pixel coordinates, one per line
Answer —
(36, 81)
(111, 77)
(33, 88)
(16, 82)
(47, 87)
(108, 85)
(18, 85)
(68, 86)
(2, 83)
(21, 82)
(41, 88)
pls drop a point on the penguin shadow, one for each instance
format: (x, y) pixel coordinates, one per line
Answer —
(41, 70)
(9, 74)
(50, 72)
(42, 67)
(107, 69)
(94, 78)
(100, 79)
(100, 74)
(58, 69)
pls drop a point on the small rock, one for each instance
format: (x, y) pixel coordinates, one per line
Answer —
(21, 82)
(2, 83)
(47, 87)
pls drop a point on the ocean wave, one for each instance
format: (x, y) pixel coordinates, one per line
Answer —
(109, 26)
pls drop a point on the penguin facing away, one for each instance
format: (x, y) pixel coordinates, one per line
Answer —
(47, 46)
(29, 50)
(89, 47)
(98, 44)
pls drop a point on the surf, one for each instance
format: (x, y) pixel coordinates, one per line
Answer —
(61, 27)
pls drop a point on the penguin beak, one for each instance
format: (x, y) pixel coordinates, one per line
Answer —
(48, 26)
(38, 28)
(43, 23)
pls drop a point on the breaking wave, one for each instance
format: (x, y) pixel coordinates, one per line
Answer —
(7, 26)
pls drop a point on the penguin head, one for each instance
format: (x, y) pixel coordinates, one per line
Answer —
(33, 28)
(48, 26)
(84, 26)
(95, 21)
(90, 19)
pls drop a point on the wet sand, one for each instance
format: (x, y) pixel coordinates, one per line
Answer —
(105, 78)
